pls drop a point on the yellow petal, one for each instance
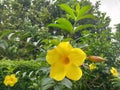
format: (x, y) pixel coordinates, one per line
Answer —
(12, 75)
(6, 80)
(12, 84)
(7, 77)
(114, 71)
(57, 71)
(64, 48)
(92, 66)
(52, 56)
(74, 72)
(77, 56)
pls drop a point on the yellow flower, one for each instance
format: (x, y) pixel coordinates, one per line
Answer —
(114, 71)
(10, 80)
(65, 61)
(92, 66)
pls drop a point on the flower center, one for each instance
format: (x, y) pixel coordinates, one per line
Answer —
(66, 60)
(11, 79)
(114, 71)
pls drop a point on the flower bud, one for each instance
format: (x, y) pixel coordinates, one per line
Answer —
(96, 59)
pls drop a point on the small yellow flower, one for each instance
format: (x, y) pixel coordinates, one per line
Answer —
(65, 61)
(10, 80)
(114, 71)
(92, 66)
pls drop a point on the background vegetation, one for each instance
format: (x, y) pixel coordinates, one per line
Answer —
(28, 28)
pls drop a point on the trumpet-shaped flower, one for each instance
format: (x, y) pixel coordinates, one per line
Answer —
(65, 61)
(10, 80)
(92, 66)
(114, 71)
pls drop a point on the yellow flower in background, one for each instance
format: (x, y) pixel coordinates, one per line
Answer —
(65, 61)
(92, 66)
(114, 71)
(10, 80)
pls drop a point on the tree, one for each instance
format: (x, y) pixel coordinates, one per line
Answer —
(116, 40)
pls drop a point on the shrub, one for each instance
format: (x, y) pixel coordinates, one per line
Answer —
(23, 70)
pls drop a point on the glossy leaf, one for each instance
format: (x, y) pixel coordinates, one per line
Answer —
(57, 87)
(83, 27)
(67, 9)
(87, 16)
(83, 11)
(31, 73)
(77, 8)
(47, 83)
(24, 74)
(62, 23)
(66, 82)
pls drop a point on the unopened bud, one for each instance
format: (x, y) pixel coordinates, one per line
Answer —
(96, 59)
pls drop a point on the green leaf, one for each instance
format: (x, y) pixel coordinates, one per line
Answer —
(77, 8)
(57, 87)
(87, 16)
(67, 83)
(83, 27)
(83, 11)
(83, 45)
(15, 34)
(25, 36)
(18, 72)
(68, 16)
(56, 25)
(47, 83)
(30, 74)
(3, 44)
(24, 74)
(62, 23)
(67, 9)
(116, 84)
(5, 33)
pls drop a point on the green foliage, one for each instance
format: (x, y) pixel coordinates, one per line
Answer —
(48, 83)
(116, 83)
(81, 27)
(3, 44)
(24, 35)
(20, 65)
(25, 43)
(76, 15)
(97, 79)
(81, 13)
(22, 68)
(63, 24)
(68, 9)
(116, 40)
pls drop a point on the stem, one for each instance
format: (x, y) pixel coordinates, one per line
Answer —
(74, 26)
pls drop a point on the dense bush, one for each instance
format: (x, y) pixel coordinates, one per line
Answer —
(25, 71)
